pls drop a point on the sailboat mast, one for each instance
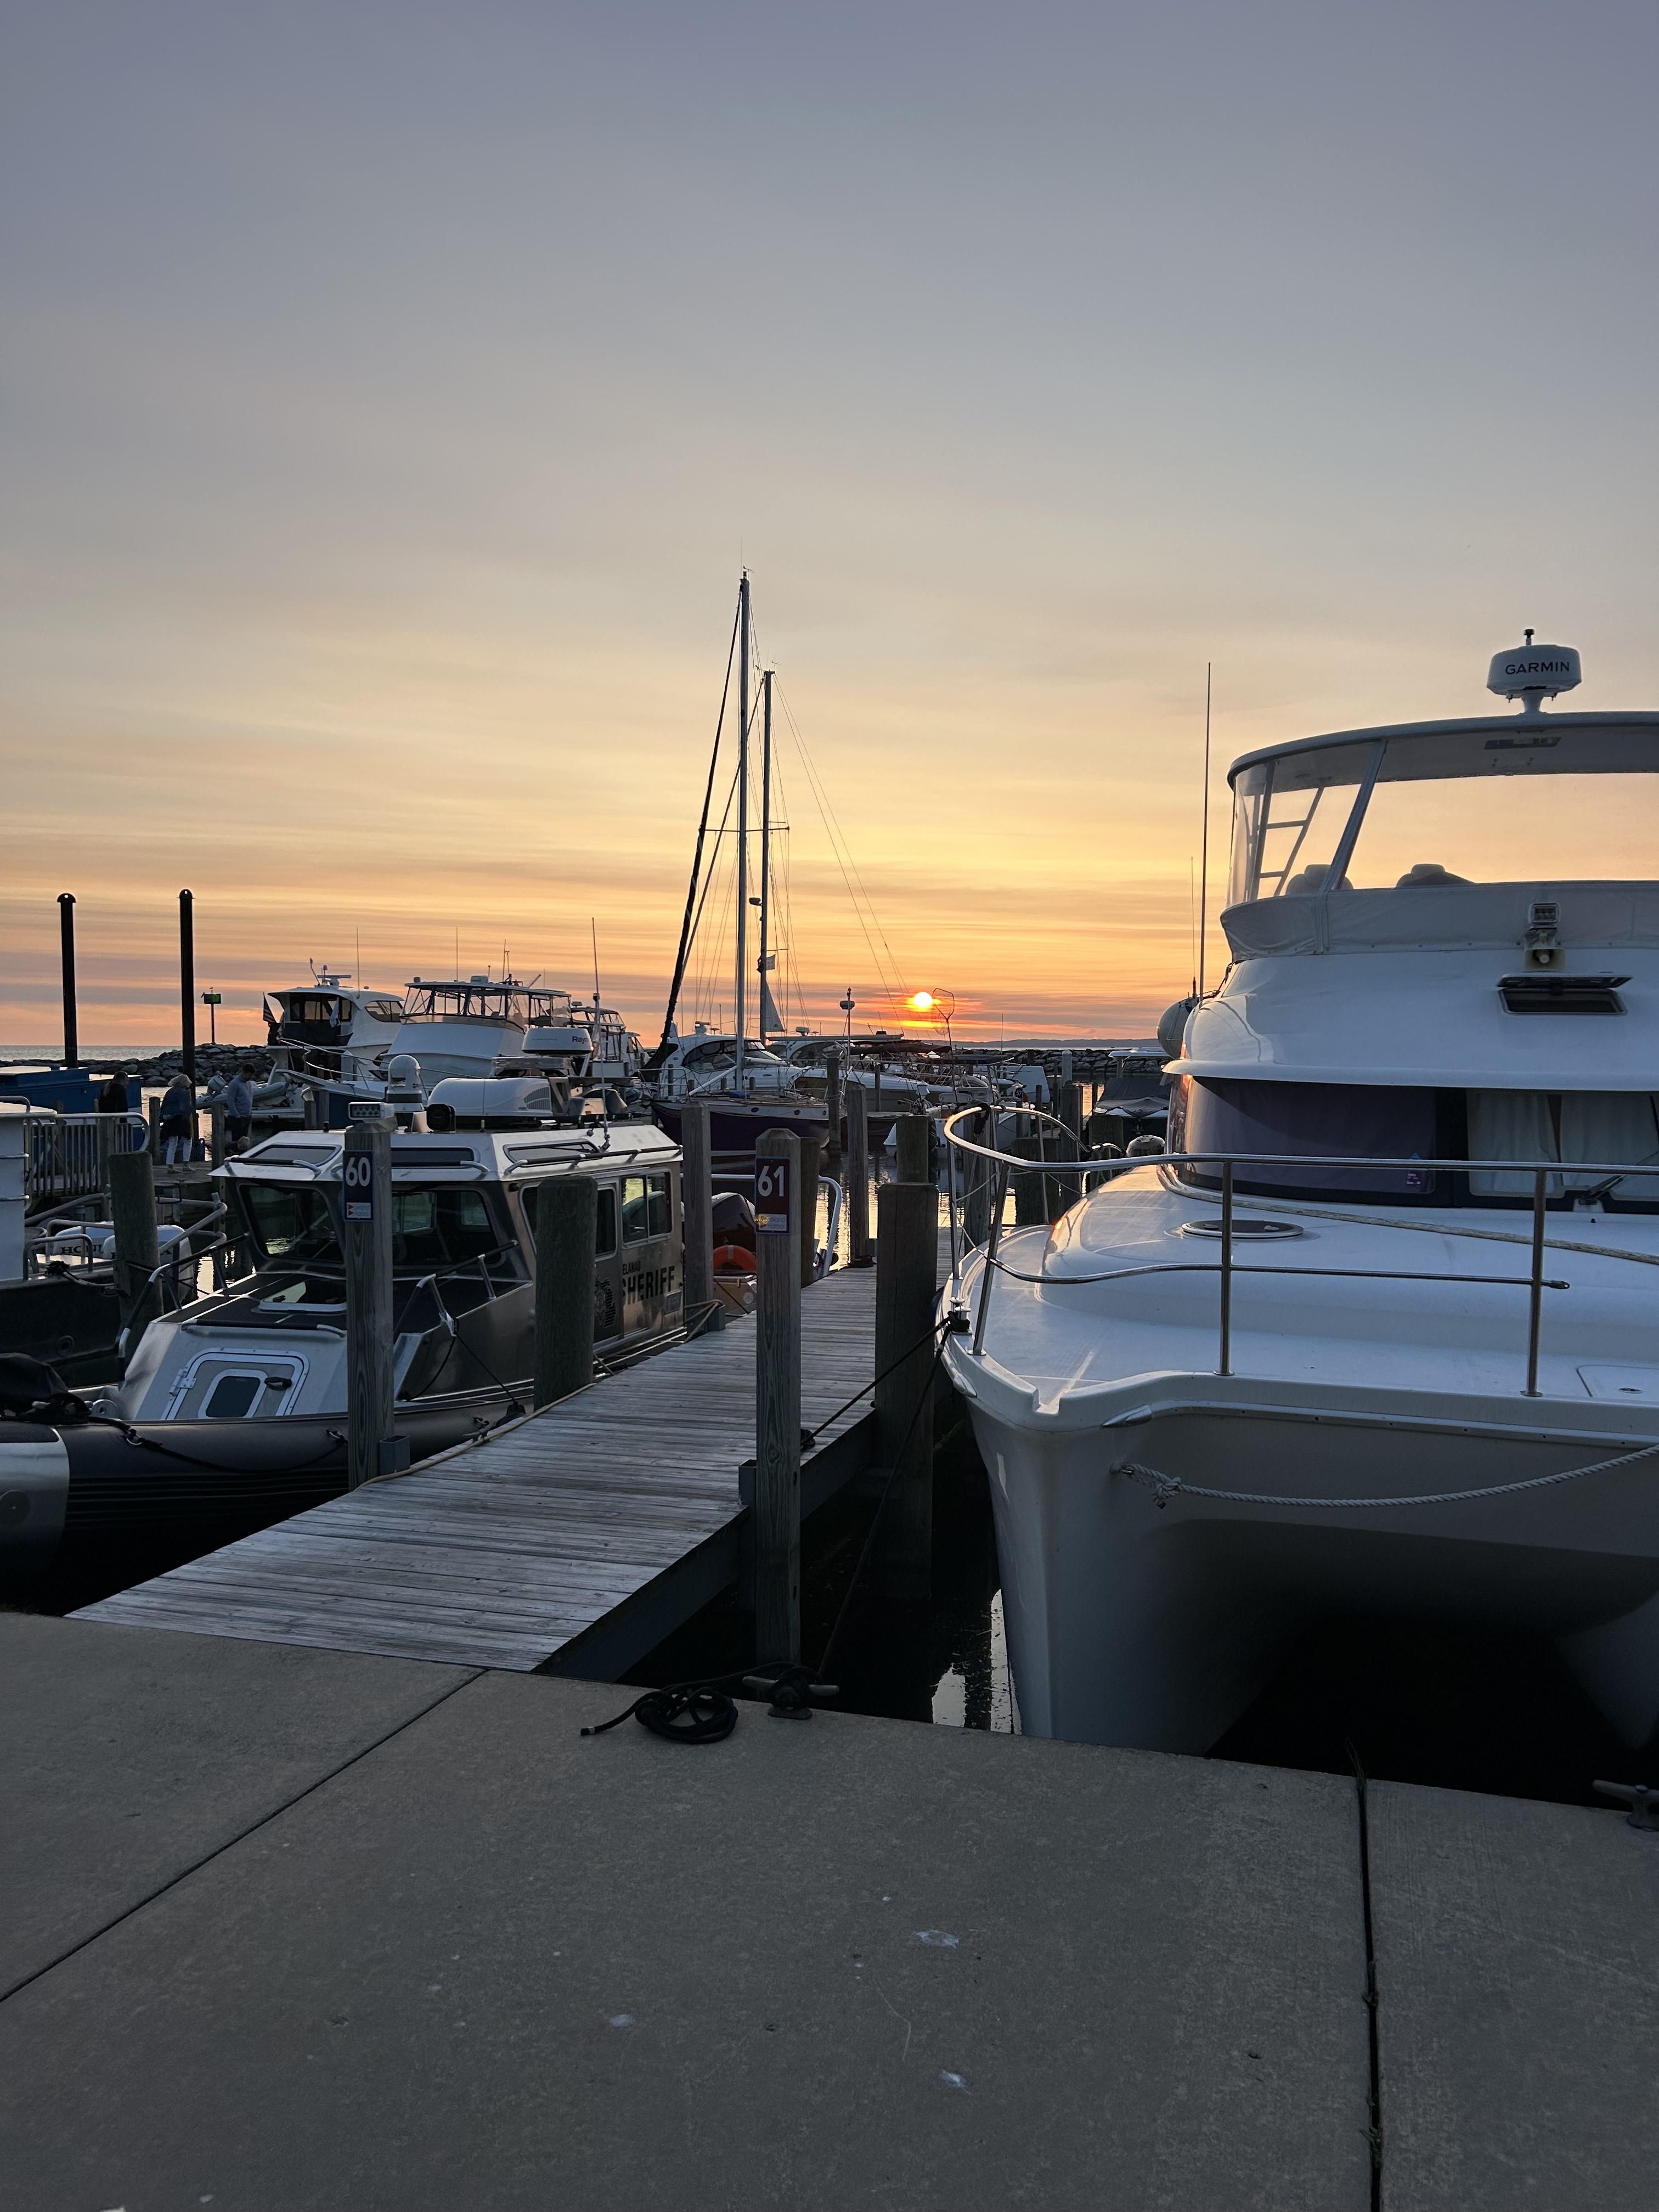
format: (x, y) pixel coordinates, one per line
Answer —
(766, 838)
(742, 993)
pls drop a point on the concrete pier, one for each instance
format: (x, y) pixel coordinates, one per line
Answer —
(309, 1929)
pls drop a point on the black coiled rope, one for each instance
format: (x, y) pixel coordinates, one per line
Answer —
(703, 1712)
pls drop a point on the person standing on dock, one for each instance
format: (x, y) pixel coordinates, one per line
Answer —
(239, 1107)
(112, 1098)
(177, 1117)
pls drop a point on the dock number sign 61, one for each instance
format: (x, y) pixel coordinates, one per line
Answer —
(771, 1196)
(357, 1178)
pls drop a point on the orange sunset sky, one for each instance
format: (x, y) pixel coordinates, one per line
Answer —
(396, 393)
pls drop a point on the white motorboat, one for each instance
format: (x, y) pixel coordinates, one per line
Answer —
(1381, 1334)
(325, 1027)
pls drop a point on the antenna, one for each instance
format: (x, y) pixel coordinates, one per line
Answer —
(1204, 864)
(593, 928)
(1192, 917)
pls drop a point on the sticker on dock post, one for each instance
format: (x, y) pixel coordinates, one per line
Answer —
(357, 1179)
(771, 1196)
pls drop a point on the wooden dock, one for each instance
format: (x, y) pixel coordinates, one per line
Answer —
(572, 1541)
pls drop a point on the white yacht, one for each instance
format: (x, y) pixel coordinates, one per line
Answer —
(326, 1026)
(1381, 1334)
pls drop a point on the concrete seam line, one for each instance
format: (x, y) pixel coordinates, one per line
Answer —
(230, 1843)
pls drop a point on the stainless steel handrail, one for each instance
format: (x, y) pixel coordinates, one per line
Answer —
(1535, 1282)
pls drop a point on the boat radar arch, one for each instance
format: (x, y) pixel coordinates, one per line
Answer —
(1533, 673)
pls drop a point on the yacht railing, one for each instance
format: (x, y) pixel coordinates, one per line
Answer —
(1078, 1164)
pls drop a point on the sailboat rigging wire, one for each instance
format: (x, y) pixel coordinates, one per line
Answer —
(709, 880)
(687, 926)
(891, 979)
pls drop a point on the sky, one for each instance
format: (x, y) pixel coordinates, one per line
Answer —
(394, 393)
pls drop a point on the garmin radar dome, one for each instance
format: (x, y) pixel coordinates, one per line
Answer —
(1533, 673)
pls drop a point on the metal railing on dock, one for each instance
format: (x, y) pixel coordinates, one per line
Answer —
(990, 1188)
(66, 1156)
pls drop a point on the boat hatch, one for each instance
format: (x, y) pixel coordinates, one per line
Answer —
(1625, 1382)
(230, 1386)
(1563, 994)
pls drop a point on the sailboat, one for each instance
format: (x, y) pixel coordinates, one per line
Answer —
(750, 1090)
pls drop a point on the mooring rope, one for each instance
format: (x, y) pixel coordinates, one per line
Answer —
(1165, 1486)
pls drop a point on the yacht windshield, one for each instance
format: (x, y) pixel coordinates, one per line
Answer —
(291, 1222)
(1316, 1122)
(1411, 811)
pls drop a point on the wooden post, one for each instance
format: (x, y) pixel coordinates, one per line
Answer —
(857, 1173)
(66, 935)
(137, 1251)
(832, 1102)
(365, 1232)
(1065, 1190)
(216, 1132)
(1030, 1205)
(567, 1215)
(907, 1266)
(187, 982)
(808, 1209)
(153, 1113)
(697, 1209)
(915, 1133)
(777, 1402)
(977, 1174)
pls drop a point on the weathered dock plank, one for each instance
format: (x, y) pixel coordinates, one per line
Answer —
(579, 1535)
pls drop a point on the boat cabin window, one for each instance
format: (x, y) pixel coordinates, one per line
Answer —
(1601, 1126)
(436, 1228)
(382, 1010)
(289, 1222)
(646, 1208)
(1313, 1120)
(604, 1216)
(1317, 1121)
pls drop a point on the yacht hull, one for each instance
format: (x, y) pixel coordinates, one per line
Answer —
(1133, 1622)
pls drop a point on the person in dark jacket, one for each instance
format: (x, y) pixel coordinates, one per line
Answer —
(112, 1098)
(178, 1119)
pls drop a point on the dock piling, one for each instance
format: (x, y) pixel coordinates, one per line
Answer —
(187, 983)
(913, 1147)
(366, 1230)
(810, 1155)
(858, 1175)
(777, 1402)
(66, 937)
(907, 1271)
(976, 1194)
(700, 1308)
(138, 1250)
(566, 1213)
(832, 1100)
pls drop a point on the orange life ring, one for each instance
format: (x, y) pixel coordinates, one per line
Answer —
(733, 1260)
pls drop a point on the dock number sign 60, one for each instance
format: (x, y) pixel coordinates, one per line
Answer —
(771, 1196)
(357, 1179)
